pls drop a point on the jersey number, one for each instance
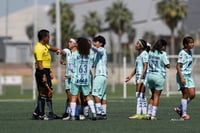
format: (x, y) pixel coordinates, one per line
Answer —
(83, 69)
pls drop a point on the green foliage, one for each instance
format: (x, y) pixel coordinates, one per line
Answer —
(131, 34)
(92, 24)
(119, 17)
(150, 37)
(172, 11)
(29, 31)
(68, 29)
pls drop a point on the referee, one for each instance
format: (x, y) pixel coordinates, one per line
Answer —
(43, 76)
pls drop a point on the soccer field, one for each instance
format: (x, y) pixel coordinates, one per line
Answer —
(15, 117)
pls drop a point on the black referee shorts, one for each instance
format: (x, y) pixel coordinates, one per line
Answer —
(42, 88)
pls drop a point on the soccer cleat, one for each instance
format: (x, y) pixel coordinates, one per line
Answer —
(82, 117)
(65, 116)
(153, 118)
(135, 117)
(148, 117)
(87, 116)
(52, 116)
(99, 117)
(178, 111)
(186, 117)
(145, 116)
(43, 117)
(104, 117)
(55, 116)
(47, 118)
(35, 116)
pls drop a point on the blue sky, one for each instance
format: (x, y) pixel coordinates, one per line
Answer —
(14, 5)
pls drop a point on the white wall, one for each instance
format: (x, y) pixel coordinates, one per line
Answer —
(19, 20)
(18, 54)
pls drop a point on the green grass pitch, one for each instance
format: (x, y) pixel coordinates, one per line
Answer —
(15, 117)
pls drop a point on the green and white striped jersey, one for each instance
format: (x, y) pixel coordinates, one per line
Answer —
(157, 62)
(81, 67)
(68, 55)
(185, 59)
(139, 63)
(100, 61)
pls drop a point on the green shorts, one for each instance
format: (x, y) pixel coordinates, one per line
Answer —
(75, 89)
(188, 79)
(67, 83)
(155, 81)
(99, 87)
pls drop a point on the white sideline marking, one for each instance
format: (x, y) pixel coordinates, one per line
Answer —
(16, 100)
(177, 119)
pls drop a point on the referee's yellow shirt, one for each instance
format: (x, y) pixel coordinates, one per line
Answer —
(41, 53)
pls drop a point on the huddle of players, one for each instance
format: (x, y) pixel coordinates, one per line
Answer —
(81, 56)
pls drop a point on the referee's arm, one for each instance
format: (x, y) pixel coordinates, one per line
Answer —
(54, 49)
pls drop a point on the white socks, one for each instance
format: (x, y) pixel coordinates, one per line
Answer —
(86, 110)
(184, 106)
(91, 105)
(104, 107)
(98, 108)
(154, 110)
(144, 105)
(73, 108)
(150, 108)
(141, 107)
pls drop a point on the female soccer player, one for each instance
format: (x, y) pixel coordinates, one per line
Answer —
(184, 76)
(157, 64)
(100, 76)
(71, 47)
(140, 72)
(82, 61)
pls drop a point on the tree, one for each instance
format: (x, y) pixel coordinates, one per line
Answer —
(119, 19)
(131, 36)
(172, 12)
(149, 36)
(67, 18)
(92, 24)
(181, 34)
(29, 32)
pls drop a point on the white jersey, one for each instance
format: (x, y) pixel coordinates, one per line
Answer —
(68, 54)
(100, 61)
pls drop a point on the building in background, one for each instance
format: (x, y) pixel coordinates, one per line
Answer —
(16, 48)
(15, 51)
